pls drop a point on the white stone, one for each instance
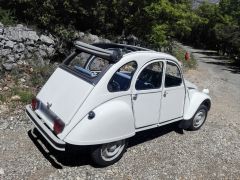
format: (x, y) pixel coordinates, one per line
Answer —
(15, 98)
(9, 44)
(42, 53)
(8, 66)
(19, 47)
(5, 88)
(29, 42)
(30, 49)
(50, 51)
(22, 80)
(1, 171)
(46, 39)
(17, 56)
(10, 59)
(32, 36)
(5, 52)
(19, 26)
(1, 28)
(20, 34)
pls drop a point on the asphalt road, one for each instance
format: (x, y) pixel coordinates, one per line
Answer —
(213, 152)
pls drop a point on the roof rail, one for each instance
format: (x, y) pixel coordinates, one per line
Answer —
(112, 56)
(115, 45)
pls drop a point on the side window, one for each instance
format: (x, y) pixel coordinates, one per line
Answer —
(150, 77)
(173, 75)
(121, 80)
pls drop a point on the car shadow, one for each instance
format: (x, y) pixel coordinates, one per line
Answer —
(154, 133)
(73, 156)
(80, 155)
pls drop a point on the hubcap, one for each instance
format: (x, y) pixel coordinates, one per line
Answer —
(112, 150)
(199, 118)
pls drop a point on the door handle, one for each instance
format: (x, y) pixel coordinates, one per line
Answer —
(135, 97)
(165, 93)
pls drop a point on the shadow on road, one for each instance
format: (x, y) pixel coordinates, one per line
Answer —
(207, 53)
(80, 155)
(151, 134)
(73, 156)
(227, 63)
(231, 67)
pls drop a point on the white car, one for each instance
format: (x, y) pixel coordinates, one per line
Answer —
(103, 94)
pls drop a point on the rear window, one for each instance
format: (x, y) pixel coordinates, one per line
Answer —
(87, 64)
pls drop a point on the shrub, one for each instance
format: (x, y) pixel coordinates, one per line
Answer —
(6, 17)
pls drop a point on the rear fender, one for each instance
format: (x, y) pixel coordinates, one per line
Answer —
(113, 121)
(196, 99)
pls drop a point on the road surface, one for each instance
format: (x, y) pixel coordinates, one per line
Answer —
(213, 152)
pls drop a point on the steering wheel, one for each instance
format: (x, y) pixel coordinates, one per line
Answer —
(115, 86)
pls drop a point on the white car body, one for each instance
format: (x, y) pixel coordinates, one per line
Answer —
(117, 115)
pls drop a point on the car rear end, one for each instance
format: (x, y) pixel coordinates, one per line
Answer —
(64, 93)
(56, 104)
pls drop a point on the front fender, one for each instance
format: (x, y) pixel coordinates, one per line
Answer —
(195, 100)
(113, 121)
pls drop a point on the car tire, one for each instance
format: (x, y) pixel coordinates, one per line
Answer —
(109, 153)
(199, 118)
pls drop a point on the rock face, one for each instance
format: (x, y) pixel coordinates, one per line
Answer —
(22, 45)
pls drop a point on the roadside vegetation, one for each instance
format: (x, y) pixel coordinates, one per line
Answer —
(215, 26)
(179, 52)
(22, 84)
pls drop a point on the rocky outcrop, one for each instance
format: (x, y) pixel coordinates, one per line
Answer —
(22, 45)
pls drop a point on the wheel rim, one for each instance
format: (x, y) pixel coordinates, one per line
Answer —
(112, 150)
(199, 118)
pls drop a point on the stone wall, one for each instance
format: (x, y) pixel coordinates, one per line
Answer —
(22, 45)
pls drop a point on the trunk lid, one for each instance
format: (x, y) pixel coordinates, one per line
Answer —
(64, 93)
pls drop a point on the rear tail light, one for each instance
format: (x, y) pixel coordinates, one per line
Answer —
(35, 104)
(58, 126)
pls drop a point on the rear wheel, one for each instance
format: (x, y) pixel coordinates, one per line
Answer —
(109, 153)
(199, 118)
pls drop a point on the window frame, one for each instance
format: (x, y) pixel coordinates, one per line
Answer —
(143, 67)
(130, 79)
(165, 72)
(91, 80)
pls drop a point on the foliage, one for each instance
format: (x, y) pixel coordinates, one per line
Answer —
(6, 17)
(153, 21)
(220, 29)
(179, 53)
(40, 75)
(110, 18)
(24, 94)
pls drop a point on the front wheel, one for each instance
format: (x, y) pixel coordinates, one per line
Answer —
(108, 154)
(199, 118)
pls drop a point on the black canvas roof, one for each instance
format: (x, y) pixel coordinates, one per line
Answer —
(104, 49)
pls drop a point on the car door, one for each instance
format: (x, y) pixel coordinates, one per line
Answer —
(147, 93)
(173, 93)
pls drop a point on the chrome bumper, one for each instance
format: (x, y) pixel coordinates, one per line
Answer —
(51, 138)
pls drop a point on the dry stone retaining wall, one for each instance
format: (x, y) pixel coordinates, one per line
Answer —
(22, 45)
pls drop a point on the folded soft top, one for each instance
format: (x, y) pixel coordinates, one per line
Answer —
(109, 55)
(103, 49)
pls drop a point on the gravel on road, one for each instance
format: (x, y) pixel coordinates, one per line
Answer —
(213, 152)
